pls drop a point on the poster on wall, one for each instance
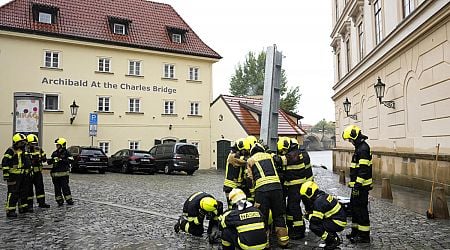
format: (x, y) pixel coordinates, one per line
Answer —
(27, 116)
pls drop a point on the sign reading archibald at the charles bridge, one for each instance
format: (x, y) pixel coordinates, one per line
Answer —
(108, 85)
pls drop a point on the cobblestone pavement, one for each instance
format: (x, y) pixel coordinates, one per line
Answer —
(138, 212)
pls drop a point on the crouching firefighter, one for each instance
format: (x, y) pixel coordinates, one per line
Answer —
(38, 157)
(198, 206)
(234, 172)
(61, 159)
(327, 218)
(243, 226)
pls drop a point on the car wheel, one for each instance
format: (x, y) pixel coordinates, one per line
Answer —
(124, 169)
(101, 171)
(167, 169)
(190, 172)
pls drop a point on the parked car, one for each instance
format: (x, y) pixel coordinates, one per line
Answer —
(129, 161)
(88, 158)
(171, 157)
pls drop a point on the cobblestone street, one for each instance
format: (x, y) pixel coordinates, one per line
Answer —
(138, 212)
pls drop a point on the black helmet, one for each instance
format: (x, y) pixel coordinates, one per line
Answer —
(257, 148)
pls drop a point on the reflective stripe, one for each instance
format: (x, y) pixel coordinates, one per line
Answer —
(295, 182)
(363, 181)
(68, 197)
(289, 217)
(23, 205)
(186, 227)
(333, 211)
(194, 195)
(354, 165)
(324, 235)
(40, 196)
(317, 214)
(283, 238)
(266, 180)
(298, 223)
(256, 247)
(194, 219)
(226, 243)
(7, 156)
(365, 162)
(250, 227)
(340, 223)
(30, 198)
(351, 184)
(296, 167)
(16, 171)
(5, 168)
(37, 169)
(222, 220)
(58, 198)
(60, 174)
(230, 184)
(364, 228)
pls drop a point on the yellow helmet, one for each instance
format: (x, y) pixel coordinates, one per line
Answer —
(308, 189)
(236, 195)
(208, 204)
(283, 144)
(351, 132)
(252, 140)
(18, 137)
(61, 141)
(242, 144)
(32, 138)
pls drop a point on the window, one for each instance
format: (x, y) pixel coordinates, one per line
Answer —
(408, 7)
(51, 102)
(104, 145)
(361, 41)
(45, 18)
(51, 59)
(104, 64)
(348, 55)
(338, 65)
(176, 38)
(134, 104)
(169, 71)
(135, 68)
(169, 107)
(195, 107)
(103, 104)
(378, 27)
(193, 73)
(119, 29)
(134, 144)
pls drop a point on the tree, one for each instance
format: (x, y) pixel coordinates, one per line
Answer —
(324, 127)
(248, 79)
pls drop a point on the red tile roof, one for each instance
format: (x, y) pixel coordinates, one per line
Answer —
(243, 107)
(88, 20)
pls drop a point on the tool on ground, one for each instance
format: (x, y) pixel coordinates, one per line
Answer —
(430, 214)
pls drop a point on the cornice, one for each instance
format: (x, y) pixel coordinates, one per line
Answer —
(341, 19)
(356, 11)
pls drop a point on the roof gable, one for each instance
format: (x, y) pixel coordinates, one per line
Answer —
(149, 23)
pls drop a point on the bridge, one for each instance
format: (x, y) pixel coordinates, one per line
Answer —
(319, 141)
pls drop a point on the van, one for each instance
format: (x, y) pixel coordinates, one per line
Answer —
(179, 156)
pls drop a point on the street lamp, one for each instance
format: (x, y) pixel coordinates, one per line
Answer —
(73, 111)
(379, 90)
(347, 106)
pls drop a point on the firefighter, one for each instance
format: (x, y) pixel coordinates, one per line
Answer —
(234, 172)
(294, 175)
(198, 206)
(243, 226)
(247, 185)
(16, 165)
(268, 190)
(38, 157)
(61, 160)
(360, 183)
(327, 217)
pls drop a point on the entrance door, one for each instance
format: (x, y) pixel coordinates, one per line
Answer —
(223, 148)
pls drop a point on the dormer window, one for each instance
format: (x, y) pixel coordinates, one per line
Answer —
(119, 29)
(44, 13)
(119, 26)
(176, 35)
(176, 38)
(45, 18)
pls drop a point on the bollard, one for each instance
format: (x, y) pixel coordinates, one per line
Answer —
(342, 177)
(386, 192)
(440, 208)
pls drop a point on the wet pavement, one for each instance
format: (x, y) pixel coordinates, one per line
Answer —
(138, 212)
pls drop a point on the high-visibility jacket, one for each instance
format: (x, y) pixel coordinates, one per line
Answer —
(262, 171)
(37, 156)
(326, 207)
(61, 159)
(234, 172)
(296, 167)
(15, 161)
(249, 225)
(361, 166)
(193, 211)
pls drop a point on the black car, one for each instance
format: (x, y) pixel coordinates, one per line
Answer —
(129, 160)
(88, 158)
(171, 157)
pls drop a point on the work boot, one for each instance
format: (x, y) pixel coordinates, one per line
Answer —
(362, 237)
(177, 226)
(332, 241)
(69, 202)
(60, 203)
(296, 234)
(352, 234)
(282, 236)
(44, 205)
(11, 214)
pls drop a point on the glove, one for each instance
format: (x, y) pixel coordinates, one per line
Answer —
(177, 226)
(355, 192)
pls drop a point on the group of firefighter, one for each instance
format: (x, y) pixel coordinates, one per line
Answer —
(22, 170)
(264, 191)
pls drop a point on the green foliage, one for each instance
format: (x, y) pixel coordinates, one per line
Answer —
(328, 127)
(248, 79)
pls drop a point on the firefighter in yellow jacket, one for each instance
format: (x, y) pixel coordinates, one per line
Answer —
(61, 159)
(236, 162)
(38, 157)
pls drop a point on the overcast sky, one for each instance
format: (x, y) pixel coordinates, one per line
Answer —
(300, 29)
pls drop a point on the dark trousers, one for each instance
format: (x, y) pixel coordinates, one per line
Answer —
(61, 184)
(17, 192)
(319, 227)
(359, 201)
(192, 228)
(37, 181)
(229, 239)
(271, 200)
(294, 213)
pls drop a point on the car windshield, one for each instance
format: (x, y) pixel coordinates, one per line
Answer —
(141, 154)
(187, 150)
(94, 152)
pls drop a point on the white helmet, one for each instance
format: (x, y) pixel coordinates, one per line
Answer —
(236, 195)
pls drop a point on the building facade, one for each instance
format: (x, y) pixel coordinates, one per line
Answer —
(405, 44)
(136, 64)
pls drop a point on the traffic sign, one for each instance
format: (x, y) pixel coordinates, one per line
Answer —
(93, 122)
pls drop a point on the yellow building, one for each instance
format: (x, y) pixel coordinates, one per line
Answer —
(137, 64)
(405, 45)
